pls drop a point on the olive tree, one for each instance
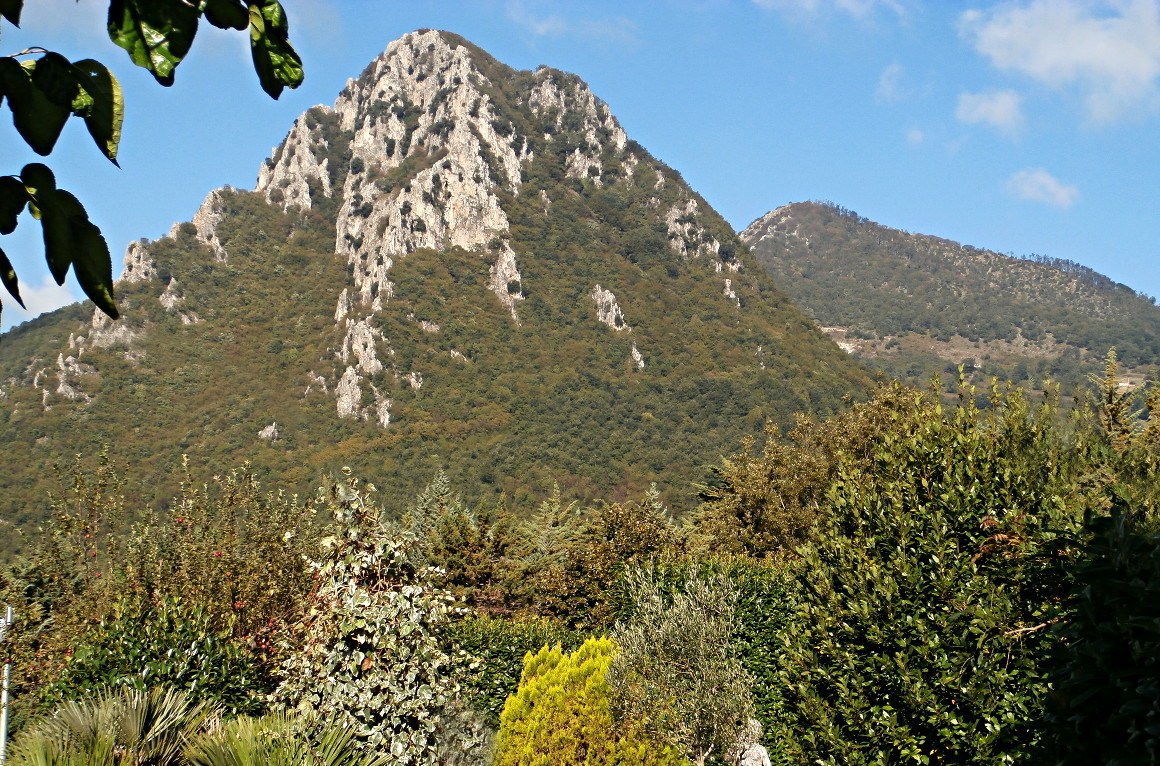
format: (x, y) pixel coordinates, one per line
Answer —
(677, 674)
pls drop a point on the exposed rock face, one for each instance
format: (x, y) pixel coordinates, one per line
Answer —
(637, 357)
(506, 282)
(206, 220)
(172, 299)
(687, 237)
(730, 293)
(607, 309)
(288, 175)
(270, 433)
(139, 264)
(430, 158)
(106, 333)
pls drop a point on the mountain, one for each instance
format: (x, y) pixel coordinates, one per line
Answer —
(916, 305)
(458, 266)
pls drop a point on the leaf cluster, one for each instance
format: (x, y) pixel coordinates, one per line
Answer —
(367, 654)
(43, 93)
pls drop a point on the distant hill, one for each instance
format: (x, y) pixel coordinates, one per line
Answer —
(915, 305)
(458, 266)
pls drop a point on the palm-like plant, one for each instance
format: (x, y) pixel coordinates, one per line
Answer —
(276, 739)
(124, 728)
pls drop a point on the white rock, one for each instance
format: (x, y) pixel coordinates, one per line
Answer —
(139, 264)
(607, 309)
(637, 357)
(502, 276)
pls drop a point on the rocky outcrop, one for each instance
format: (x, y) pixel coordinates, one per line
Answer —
(559, 95)
(505, 281)
(107, 333)
(206, 220)
(172, 299)
(730, 293)
(360, 345)
(636, 356)
(349, 395)
(607, 309)
(139, 264)
(687, 237)
(297, 168)
(428, 156)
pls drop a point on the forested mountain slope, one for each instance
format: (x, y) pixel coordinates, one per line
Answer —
(457, 266)
(916, 305)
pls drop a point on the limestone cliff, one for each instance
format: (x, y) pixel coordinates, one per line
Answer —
(432, 151)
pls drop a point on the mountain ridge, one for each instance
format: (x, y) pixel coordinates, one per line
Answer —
(458, 267)
(914, 304)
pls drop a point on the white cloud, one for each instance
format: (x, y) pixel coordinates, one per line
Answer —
(39, 298)
(1000, 109)
(620, 30)
(1107, 50)
(1037, 185)
(915, 136)
(890, 84)
(857, 8)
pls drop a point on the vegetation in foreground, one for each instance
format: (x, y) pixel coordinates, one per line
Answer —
(907, 582)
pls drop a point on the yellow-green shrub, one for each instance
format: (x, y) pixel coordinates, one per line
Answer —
(562, 714)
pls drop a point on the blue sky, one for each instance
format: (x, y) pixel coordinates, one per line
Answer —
(1030, 126)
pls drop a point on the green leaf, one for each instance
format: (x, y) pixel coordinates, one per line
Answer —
(53, 74)
(226, 14)
(91, 260)
(275, 60)
(38, 120)
(13, 198)
(107, 113)
(8, 277)
(57, 231)
(157, 34)
(37, 176)
(10, 9)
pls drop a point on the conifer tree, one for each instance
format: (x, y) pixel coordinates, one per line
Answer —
(561, 715)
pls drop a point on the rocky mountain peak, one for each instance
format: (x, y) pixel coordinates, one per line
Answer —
(456, 264)
(420, 152)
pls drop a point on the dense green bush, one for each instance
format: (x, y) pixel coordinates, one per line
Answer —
(192, 597)
(763, 504)
(499, 646)
(925, 601)
(171, 644)
(677, 674)
(1107, 684)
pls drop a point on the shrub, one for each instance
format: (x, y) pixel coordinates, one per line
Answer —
(677, 672)
(124, 727)
(500, 645)
(926, 598)
(562, 714)
(170, 644)
(1108, 679)
(276, 739)
(369, 656)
